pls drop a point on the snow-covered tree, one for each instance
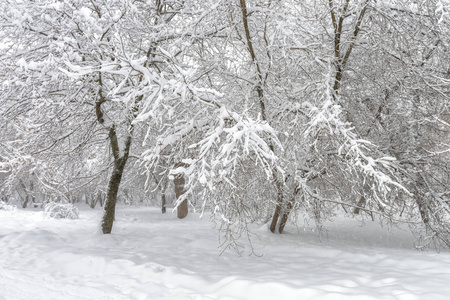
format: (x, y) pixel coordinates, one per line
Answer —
(263, 110)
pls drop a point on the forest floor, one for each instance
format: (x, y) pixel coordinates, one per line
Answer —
(156, 256)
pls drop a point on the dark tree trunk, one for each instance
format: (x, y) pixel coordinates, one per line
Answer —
(276, 214)
(27, 197)
(288, 210)
(163, 196)
(114, 181)
(162, 186)
(111, 199)
(182, 208)
(422, 203)
(360, 205)
(25, 203)
(100, 199)
(285, 216)
(33, 198)
(163, 202)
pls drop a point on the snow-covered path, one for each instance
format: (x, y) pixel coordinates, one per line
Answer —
(154, 256)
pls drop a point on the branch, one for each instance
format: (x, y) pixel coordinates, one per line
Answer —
(355, 35)
(255, 61)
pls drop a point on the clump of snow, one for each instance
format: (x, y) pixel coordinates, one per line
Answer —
(7, 207)
(61, 211)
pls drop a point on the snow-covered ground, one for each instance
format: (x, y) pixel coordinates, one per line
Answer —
(155, 256)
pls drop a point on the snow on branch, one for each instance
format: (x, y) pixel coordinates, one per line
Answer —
(357, 153)
(224, 146)
(442, 10)
(219, 155)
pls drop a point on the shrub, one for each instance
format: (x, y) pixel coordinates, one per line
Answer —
(7, 207)
(60, 211)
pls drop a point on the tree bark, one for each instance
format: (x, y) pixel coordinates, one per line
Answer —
(27, 197)
(162, 186)
(422, 203)
(285, 216)
(289, 207)
(163, 202)
(360, 205)
(111, 200)
(114, 181)
(109, 209)
(163, 196)
(276, 214)
(100, 199)
(182, 208)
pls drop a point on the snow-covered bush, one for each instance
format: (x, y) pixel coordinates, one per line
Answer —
(7, 207)
(61, 211)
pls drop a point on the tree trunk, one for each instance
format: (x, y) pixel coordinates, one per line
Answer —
(422, 203)
(276, 214)
(111, 200)
(182, 208)
(114, 181)
(162, 186)
(360, 205)
(260, 91)
(163, 202)
(288, 210)
(163, 196)
(25, 203)
(27, 197)
(100, 199)
(33, 198)
(286, 215)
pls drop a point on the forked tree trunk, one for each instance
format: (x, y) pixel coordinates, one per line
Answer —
(109, 209)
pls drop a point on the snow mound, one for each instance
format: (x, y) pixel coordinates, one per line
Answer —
(61, 211)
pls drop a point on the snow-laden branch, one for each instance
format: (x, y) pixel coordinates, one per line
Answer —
(224, 146)
(357, 153)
